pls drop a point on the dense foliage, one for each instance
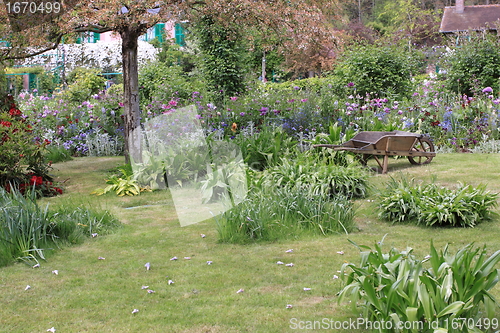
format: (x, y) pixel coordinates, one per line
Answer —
(433, 294)
(432, 205)
(385, 71)
(473, 65)
(22, 162)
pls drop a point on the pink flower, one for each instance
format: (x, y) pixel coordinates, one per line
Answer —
(172, 103)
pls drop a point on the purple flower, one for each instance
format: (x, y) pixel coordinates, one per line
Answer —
(350, 84)
(242, 114)
(487, 90)
(296, 88)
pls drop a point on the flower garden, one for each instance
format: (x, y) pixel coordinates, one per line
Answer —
(291, 194)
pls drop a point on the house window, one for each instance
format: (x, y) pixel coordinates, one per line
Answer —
(179, 35)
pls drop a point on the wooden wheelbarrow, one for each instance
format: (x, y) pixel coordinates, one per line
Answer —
(418, 148)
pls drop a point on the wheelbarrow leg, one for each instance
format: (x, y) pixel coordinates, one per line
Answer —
(385, 165)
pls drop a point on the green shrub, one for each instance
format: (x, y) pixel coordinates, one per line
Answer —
(429, 204)
(272, 214)
(473, 66)
(223, 58)
(162, 82)
(385, 71)
(83, 83)
(21, 152)
(436, 294)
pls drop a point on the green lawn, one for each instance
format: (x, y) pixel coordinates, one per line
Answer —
(92, 295)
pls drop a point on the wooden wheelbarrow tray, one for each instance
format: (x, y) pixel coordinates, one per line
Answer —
(418, 148)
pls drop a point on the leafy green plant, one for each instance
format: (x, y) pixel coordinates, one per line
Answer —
(265, 148)
(374, 69)
(316, 178)
(83, 83)
(226, 179)
(397, 287)
(122, 185)
(429, 204)
(475, 61)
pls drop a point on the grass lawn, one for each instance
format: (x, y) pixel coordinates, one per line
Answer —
(92, 295)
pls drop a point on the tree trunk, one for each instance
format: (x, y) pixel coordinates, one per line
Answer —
(132, 113)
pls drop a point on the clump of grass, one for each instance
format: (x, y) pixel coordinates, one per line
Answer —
(429, 204)
(56, 154)
(28, 230)
(24, 226)
(272, 214)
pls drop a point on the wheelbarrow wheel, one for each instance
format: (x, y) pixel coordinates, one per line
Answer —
(424, 145)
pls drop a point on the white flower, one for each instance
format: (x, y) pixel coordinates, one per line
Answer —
(335, 277)
(147, 265)
(36, 266)
(101, 258)
(27, 287)
(340, 252)
(55, 271)
(187, 258)
(135, 311)
(280, 262)
(144, 287)
(150, 291)
(170, 282)
(240, 291)
(290, 265)
(307, 289)
(173, 258)
(289, 306)
(202, 235)
(52, 329)
(94, 234)
(209, 262)
(289, 251)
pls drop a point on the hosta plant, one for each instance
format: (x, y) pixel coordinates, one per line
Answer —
(443, 292)
(430, 204)
(122, 185)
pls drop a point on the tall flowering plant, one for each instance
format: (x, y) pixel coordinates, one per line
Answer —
(22, 163)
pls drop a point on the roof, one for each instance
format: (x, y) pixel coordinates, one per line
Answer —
(473, 18)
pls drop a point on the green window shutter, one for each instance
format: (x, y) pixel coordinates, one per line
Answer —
(160, 32)
(179, 35)
(97, 36)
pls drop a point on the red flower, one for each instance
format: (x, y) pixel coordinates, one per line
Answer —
(36, 180)
(5, 123)
(14, 112)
